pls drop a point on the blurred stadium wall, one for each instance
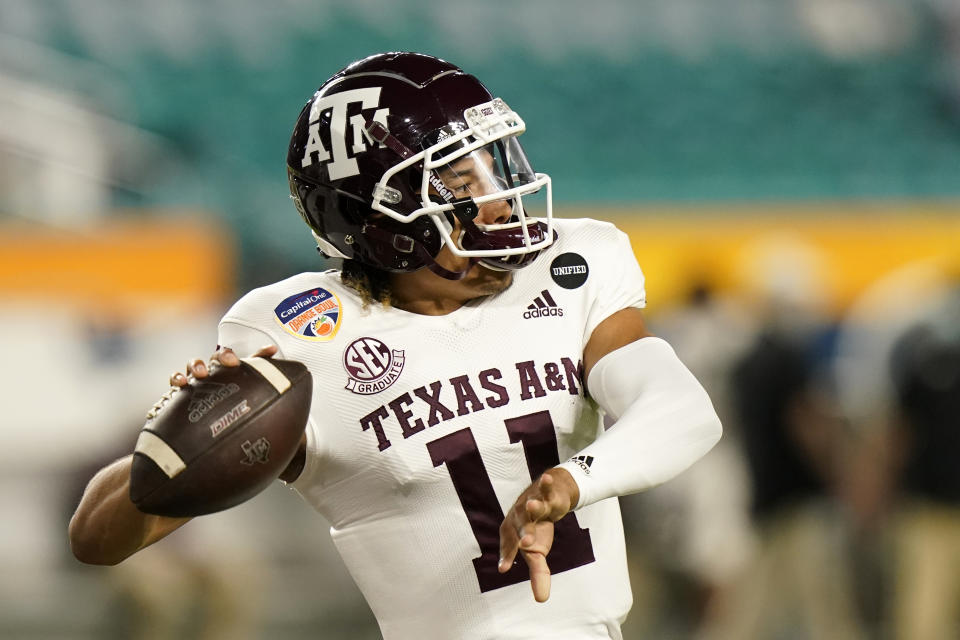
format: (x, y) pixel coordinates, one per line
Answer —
(184, 104)
(142, 188)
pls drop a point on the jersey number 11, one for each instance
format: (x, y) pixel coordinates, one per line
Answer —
(458, 450)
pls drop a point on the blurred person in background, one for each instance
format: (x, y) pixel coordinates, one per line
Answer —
(900, 373)
(409, 170)
(925, 367)
(691, 537)
(789, 426)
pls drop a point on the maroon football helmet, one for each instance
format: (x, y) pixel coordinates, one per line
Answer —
(396, 151)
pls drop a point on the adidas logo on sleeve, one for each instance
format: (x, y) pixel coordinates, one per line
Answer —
(583, 462)
(542, 306)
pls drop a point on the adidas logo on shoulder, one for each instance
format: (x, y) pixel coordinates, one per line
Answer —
(542, 307)
(583, 462)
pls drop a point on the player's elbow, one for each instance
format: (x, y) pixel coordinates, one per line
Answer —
(704, 426)
(88, 547)
(88, 553)
(712, 430)
(82, 546)
(710, 424)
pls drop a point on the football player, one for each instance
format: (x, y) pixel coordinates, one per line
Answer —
(463, 358)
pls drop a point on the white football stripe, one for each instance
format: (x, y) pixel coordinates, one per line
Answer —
(269, 371)
(150, 445)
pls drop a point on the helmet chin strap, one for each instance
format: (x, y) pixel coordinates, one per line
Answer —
(443, 272)
(451, 275)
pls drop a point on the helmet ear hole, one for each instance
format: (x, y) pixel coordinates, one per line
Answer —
(403, 244)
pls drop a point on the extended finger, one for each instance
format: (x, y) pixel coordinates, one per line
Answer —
(537, 538)
(527, 536)
(539, 575)
(509, 544)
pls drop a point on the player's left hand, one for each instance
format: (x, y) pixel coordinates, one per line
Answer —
(528, 526)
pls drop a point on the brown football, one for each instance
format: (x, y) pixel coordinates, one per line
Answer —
(222, 439)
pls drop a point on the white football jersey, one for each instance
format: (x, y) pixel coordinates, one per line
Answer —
(424, 429)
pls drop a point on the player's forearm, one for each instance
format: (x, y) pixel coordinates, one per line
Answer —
(665, 422)
(106, 527)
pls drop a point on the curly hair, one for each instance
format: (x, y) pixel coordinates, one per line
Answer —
(370, 283)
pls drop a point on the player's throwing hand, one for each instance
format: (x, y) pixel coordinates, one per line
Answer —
(528, 526)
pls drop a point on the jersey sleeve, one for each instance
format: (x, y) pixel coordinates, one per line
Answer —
(245, 327)
(243, 339)
(616, 278)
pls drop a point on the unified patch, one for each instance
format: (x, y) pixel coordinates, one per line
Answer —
(569, 270)
(371, 366)
(312, 315)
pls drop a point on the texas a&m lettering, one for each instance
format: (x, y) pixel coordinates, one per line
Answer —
(441, 400)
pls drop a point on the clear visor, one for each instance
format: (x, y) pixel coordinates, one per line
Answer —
(491, 172)
(485, 164)
(507, 193)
